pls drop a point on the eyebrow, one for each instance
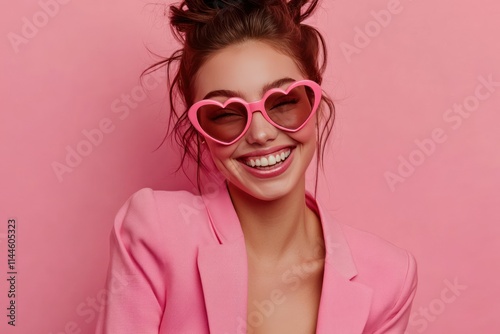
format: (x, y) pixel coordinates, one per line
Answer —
(231, 93)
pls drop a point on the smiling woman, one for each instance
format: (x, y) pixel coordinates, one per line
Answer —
(251, 68)
(263, 256)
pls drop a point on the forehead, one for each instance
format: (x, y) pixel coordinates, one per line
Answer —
(245, 67)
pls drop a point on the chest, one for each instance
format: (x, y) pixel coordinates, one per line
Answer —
(284, 300)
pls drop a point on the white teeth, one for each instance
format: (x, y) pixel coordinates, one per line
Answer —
(268, 161)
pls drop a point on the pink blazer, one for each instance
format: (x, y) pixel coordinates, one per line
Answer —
(178, 265)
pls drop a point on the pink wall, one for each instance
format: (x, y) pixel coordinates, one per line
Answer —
(406, 163)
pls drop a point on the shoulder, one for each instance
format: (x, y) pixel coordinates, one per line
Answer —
(147, 204)
(147, 197)
(371, 252)
(390, 271)
(150, 216)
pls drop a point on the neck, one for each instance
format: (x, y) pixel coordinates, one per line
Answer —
(277, 230)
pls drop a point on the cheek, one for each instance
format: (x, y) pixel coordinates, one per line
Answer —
(221, 155)
(307, 135)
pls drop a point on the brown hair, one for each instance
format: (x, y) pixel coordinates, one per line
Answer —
(204, 27)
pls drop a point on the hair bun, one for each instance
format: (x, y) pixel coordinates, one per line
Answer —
(194, 13)
(219, 4)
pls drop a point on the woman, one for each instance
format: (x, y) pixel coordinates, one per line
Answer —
(258, 254)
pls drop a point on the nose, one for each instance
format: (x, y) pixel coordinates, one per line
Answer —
(260, 130)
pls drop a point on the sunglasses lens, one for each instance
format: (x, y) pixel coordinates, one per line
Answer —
(293, 109)
(224, 124)
(288, 111)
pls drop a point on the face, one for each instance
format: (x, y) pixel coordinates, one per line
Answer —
(266, 163)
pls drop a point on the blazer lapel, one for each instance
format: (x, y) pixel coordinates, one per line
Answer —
(223, 272)
(345, 304)
(223, 268)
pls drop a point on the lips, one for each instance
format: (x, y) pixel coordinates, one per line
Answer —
(268, 163)
(268, 160)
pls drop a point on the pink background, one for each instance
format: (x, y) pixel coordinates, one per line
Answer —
(72, 74)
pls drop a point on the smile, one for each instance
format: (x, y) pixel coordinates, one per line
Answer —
(268, 160)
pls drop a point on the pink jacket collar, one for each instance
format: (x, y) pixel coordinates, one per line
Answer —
(344, 305)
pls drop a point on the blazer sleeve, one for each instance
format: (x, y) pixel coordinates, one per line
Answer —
(398, 317)
(135, 292)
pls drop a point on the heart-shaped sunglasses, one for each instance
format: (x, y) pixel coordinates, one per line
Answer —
(288, 110)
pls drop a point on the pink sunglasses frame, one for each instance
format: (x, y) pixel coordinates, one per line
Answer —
(252, 107)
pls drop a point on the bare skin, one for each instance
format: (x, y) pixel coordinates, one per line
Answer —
(285, 250)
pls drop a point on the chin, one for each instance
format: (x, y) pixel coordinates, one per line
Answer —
(268, 189)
